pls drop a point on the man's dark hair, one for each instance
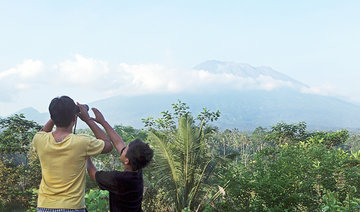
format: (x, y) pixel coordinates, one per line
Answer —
(139, 154)
(62, 110)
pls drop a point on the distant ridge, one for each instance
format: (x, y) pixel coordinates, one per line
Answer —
(32, 114)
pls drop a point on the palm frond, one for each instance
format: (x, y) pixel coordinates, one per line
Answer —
(182, 162)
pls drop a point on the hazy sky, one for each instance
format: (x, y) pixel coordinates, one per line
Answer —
(91, 50)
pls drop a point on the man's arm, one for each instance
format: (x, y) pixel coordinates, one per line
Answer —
(114, 136)
(99, 133)
(48, 126)
(106, 180)
(91, 169)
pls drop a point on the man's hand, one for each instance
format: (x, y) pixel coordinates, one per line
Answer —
(48, 126)
(83, 115)
(99, 118)
(99, 134)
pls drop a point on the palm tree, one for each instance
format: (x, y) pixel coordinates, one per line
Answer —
(181, 163)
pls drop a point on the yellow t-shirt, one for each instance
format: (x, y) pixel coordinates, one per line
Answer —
(63, 166)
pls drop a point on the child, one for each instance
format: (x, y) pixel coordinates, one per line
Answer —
(125, 187)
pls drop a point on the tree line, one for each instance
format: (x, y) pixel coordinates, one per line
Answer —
(198, 167)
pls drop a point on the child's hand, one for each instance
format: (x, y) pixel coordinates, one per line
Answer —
(99, 118)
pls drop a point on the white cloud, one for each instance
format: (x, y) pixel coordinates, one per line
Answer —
(29, 68)
(269, 83)
(81, 71)
(324, 90)
(229, 80)
(149, 78)
(19, 78)
(330, 90)
(156, 78)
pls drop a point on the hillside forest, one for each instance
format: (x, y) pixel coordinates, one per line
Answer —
(199, 167)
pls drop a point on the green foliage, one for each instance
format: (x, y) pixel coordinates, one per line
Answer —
(168, 120)
(283, 133)
(353, 142)
(155, 199)
(331, 139)
(33, 201)
(237, 145)
(304, 172)
(181, 164)
(332, 203)
(97, 200)
(17, 134)
(19, 167)
(198, 168)
(208, 116)
(181, 109)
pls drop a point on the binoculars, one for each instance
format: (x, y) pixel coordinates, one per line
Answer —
(78, 109)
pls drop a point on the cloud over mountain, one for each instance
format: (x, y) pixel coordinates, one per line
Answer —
(245, 76)
(90, 79)
(98, 76)
(247, 96)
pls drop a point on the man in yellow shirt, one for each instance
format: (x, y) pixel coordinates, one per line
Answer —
(63, 156)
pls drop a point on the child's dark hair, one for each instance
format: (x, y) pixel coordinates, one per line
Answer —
(62, 110)
(139, 154)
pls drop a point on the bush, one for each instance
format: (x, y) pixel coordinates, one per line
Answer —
(297, 175)
(97, 200)
(19, 167)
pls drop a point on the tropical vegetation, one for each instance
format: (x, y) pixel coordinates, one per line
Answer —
(198, 167)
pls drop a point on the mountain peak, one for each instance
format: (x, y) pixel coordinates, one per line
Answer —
(216, 66)
(244, 70)
(34, 115)
(27, 110)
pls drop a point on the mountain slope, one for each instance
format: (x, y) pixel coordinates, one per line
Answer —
(242, 110)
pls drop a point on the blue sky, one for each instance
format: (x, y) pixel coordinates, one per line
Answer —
(96, 49)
